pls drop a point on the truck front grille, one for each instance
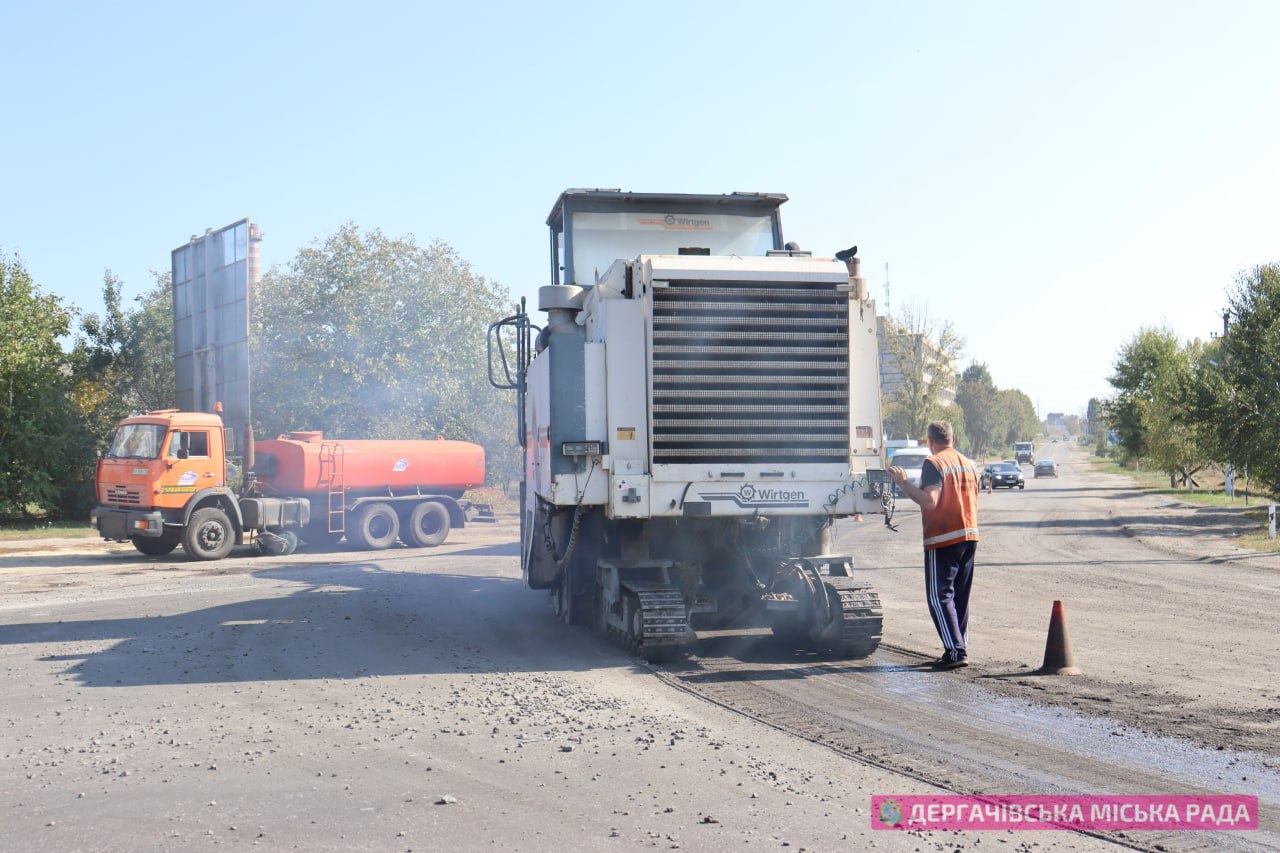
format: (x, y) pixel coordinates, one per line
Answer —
(123, 495)
(750, 373)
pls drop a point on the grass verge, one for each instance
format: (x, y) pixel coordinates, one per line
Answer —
(1260, 540)
(1212, 493)
(26, 529)
(492, 495)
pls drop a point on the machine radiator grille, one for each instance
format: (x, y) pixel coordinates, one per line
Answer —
(750, 373)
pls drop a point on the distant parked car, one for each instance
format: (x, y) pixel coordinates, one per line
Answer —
(1046, 468)
(1003, 475)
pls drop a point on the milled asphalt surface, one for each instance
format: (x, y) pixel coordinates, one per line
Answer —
(426, 700)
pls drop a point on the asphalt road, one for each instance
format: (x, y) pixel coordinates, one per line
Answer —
(424, 700)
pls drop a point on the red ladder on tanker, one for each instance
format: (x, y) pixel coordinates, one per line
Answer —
(331, 476)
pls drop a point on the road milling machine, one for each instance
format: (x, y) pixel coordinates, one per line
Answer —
(700, 405)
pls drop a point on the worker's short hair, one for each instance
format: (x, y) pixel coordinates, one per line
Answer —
(940, 431)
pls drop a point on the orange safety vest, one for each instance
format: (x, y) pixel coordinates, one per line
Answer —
(955, 519)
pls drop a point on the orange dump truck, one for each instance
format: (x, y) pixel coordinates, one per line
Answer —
(167, 481)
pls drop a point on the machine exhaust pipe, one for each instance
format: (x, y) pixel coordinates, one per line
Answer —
(248, 448)
(857, 284)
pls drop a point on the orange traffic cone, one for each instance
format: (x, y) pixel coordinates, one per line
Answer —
(1058, 659)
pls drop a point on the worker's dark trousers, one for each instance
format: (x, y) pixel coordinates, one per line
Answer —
(948, 576)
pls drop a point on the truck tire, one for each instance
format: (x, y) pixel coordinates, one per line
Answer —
(375, 527)
(208, 535)
(155, 547)
(427, 526)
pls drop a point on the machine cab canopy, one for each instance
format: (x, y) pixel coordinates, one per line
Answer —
(592, 228)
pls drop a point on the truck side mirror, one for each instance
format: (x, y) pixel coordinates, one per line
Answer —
(182, 453)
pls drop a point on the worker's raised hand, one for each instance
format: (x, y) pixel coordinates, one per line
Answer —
(897, 475)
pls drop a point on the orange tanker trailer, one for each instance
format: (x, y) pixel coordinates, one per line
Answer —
(166, 481)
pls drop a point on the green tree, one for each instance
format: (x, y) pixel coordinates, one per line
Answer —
(1093, 417)
(1017, 416)
(1172, 432)
(36, 446)
(99, 393)
(1098, 426)
(365, 336)
(976, 396)
(920, 353)
(1244, 410)
(122, 364)
(1160, 381)
(148, 351)
(1141, 367)
(100, 383)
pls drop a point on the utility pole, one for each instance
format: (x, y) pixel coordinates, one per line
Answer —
(1226, 316)
(887, 311)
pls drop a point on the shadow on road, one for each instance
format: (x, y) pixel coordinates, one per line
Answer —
(343, 621)
(92, 553)
(506, 549)
(62, 560)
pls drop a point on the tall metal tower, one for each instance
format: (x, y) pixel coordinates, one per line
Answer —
(887, 311)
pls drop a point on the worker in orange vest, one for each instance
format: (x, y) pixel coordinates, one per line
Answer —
(948, 499)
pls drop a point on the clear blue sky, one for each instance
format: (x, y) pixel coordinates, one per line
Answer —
(1049, 177)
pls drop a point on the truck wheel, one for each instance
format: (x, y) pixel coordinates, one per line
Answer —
(208, 535)
(155, 547)
(427, 526)
(376, 527)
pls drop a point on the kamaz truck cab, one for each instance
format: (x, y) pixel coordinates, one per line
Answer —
(164, 482)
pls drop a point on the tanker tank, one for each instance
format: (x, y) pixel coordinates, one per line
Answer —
(303, 463)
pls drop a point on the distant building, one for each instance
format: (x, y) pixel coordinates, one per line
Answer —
(1056, 420)
(937, 369)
